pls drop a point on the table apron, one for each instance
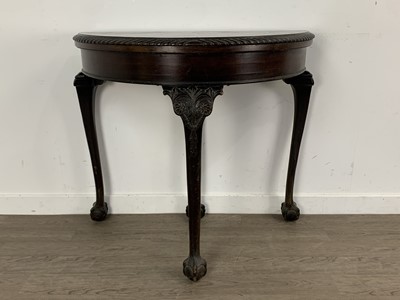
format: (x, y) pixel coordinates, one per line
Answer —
(187, 69)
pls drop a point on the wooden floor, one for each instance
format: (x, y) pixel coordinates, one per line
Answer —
(249, 257)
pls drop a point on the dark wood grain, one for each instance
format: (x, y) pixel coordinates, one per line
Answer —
(193, 104)
(184, 61)
(301, 86)
(197, 41)
(86, 90)
(192, 69)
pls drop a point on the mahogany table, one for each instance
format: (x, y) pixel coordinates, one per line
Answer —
(192, 68)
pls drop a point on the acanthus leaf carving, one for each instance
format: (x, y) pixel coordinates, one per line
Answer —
(193, 104)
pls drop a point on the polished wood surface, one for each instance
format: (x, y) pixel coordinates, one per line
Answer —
(252, 257)
(192, 71)
(219, 58)
(194, 35)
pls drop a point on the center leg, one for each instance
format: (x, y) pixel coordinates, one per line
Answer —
(193, 104)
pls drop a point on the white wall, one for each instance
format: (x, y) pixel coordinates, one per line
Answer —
(349, 162)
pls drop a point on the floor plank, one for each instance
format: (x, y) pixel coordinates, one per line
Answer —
(249, 257)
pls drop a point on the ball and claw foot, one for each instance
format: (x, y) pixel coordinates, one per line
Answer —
(202, 210)
(194, 267)
(99, 213)
(290, 213)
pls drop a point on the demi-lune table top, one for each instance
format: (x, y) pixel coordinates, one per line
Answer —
(171, 58)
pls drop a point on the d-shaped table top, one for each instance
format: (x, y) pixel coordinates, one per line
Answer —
(184, 58)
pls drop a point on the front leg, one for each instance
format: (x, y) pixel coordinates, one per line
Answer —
(193, 104)
(86, 89)
(301, 86)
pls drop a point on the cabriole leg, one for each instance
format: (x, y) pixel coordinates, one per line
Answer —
(301, 86)
(193, 104)
(86, 89)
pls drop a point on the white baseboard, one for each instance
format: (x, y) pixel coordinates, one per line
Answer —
(46, 204)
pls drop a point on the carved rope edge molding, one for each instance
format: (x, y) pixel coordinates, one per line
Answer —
(211, 41)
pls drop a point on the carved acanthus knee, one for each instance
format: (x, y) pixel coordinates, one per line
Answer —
(193, 103)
